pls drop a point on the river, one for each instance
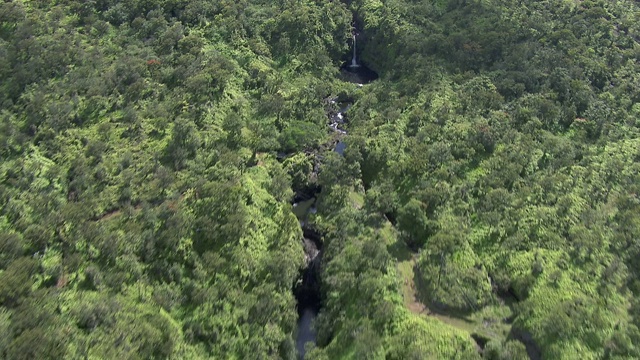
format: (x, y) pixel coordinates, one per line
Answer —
(307, 292)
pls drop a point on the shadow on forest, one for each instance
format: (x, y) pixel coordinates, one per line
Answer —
(439, 310)
(400, 251)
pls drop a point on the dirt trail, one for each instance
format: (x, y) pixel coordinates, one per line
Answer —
(409, 293)
(405, 266)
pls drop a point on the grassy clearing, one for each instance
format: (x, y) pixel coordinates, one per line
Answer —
(487, 322)
(357, 199)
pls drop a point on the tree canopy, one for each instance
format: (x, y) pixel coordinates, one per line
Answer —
(487, 197)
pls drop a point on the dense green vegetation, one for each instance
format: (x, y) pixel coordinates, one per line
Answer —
(494, 166)
(143, 212)
(503, 143)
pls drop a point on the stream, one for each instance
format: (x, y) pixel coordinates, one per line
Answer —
(307, 291)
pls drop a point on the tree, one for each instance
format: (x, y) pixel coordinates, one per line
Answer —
(299, 167)
(183, 144)
(414, 223)
(16, 280)
(11, 248)
(509, 350)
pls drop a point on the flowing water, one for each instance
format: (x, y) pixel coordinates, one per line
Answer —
(354, 59)
(308, 296)
(307, 292)
(340, 146)
(306, 333)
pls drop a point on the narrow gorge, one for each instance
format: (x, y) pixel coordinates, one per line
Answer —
(307, 290)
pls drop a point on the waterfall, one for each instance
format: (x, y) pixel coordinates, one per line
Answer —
(354, 60)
